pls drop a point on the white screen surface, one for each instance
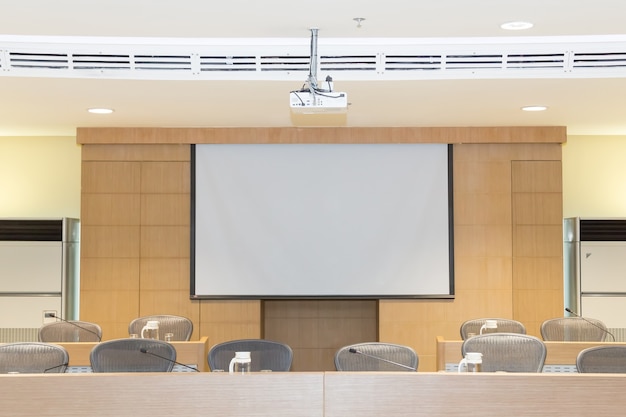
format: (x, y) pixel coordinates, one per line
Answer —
(274, 221)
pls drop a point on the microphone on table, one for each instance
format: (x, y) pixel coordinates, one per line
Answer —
(76, 325)
(147, 352)
(378, 358)
(590, 322)
(55, 367)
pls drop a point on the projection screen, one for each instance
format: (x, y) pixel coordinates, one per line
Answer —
(321, 221)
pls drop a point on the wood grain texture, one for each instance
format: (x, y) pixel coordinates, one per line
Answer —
(501, 134)
(329, 394)
(190, 394)
(483, 395)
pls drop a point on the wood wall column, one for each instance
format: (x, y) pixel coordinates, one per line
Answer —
(537, 242)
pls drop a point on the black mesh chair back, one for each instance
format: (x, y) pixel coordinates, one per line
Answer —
(573, 329)
(376, 356)
(602, 359)
(265, 355)
(180, 327)
(33, 358)
(504, 326)
(70, 331)
(508, 352)
(133, 355)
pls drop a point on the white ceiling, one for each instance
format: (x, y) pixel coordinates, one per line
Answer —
(56, 105)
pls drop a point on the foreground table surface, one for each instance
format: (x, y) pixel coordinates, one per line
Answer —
(313, 394)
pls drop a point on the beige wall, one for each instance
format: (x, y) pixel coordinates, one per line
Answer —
(594, 170)
(39, 177)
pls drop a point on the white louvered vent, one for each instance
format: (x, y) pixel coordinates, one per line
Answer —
(600, 60)
(272, 61)
(22, 334)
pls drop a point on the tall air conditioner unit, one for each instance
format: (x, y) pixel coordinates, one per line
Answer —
(595, 270)
(39, 275)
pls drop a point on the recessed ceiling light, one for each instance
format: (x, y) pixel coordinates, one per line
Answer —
(100, 111)
(518, 25)
(534, 108)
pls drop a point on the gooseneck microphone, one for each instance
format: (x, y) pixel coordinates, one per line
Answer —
(147, 352)
(378, 358)
(76, 325)
(590, 322)
(55, 367)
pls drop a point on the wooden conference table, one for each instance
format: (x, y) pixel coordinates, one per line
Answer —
(192, 353)
(313, 394)
(561, 356)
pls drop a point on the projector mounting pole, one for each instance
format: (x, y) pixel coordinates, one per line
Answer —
(313, 64)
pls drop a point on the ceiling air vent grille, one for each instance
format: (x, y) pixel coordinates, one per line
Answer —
(599, 60)
(348, 63)
(101, 62)
(473, 62)
(162, 62)
(32, 60)
(413, 62)
(286, 63)
(227, 63)
(535, 61)
(272, 59)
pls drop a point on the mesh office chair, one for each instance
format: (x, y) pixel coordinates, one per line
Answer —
(573, 329)
(132, 355)
(376, 356)
(509, 352)
(70, 331)
(180, 327)
(504, 326)
(264, 354)
(602, 359)
(33, 358)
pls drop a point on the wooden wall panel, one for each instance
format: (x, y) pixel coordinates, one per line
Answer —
(135, 234)
(110, 177)
(135, 219)
(227, 320)
(315, 329)
(487, 135)
(538, 242)
(102, 209)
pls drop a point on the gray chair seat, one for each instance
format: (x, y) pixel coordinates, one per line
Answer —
(573, 329)
(33, 357)
(180, 327)
(70, 331)
(508, 352)
(376, 356)
(133, 355)
(602, 359)
(265, 354)
(504, 326)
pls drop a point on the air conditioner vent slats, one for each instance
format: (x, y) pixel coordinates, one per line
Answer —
(354, 61)
(38, 60)
(600, 60)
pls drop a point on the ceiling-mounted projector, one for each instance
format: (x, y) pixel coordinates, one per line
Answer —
(312, 98)
(308, 102)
